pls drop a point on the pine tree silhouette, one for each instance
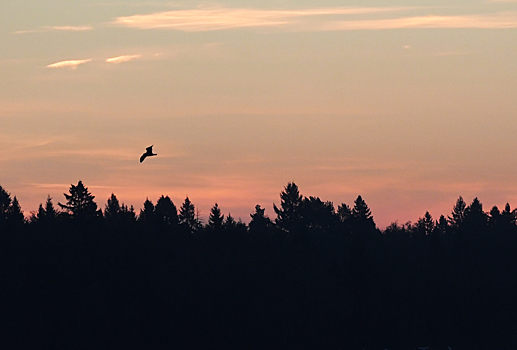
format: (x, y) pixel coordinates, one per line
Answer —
(215, 219)
(289, 214)
(80, 202)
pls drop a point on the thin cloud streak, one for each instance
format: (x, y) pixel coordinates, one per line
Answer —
(72, 28)
(56, 28)
(502, 20)
(111, 154)
(452, 53)
(124, 58)
(47, 185)
(224, 18)
(69, 64)
(210, 19)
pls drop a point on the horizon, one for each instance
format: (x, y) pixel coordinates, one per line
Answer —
(409, 105)
(200, 214)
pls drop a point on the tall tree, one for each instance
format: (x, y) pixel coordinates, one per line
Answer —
(494, 216)
(458, 213)
(15, 218)
(361, 210)
(233, 227)
(166, 212)
(215, 219)
(117, 214)
(259, 221)
(289, 214)
(39, 215)
(425, 225)
(50, 212)
(47, 213)
(147, 213)
(187, 216)
(362, 215)
(344, 212)
(80, 202)
(508, 217)
(112, 210)
(442, 225)
(5, 203)
(230, 222)
(318, 215)
(475, 218)
(128, 213)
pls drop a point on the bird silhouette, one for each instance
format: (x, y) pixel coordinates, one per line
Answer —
(148, 153)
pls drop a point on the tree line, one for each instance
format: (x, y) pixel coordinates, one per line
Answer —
(315, 276)
(295, 213)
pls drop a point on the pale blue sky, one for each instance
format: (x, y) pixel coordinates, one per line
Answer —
(408, 103)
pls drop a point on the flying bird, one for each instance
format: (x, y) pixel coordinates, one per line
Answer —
(148, 153)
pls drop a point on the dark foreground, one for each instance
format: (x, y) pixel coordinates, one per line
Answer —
(136, 288)
(314, 278)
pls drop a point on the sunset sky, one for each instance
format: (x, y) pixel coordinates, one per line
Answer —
(409, 104)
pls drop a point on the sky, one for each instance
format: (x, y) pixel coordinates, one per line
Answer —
(409, 104)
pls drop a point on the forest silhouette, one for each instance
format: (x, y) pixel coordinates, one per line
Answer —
(74, 275)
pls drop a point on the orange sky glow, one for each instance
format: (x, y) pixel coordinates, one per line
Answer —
(408, 105)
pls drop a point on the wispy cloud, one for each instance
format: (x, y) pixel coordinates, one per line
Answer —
(99, 154)
(47, 185)
(124, 58)
(206, 19)
(340, 18)
(72, 64)
(56, 28)
(485, 21)
(72, 28)
(451, 53)
(136, 4)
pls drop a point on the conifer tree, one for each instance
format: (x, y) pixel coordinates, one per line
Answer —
(425, 225)
(508, 216)
(289, 214)
(344, 212)
(494, 216)
(345, 217)
(458, 213)
(79, 203)
(166, 212)
(319, 215)
(112, 210)
(475, 217)
(361, 210)
(442, 225)
(362, 219)
(147, 212)
(129, 213)
(259, 221)
(50, 211)
(39, 215)
(46, 213)
(15, 218)
(215, 219)
(5, 203)
(187, 216)
(230, 222)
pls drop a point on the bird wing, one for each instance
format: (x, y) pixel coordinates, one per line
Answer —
(149, 149)
(143, 157)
